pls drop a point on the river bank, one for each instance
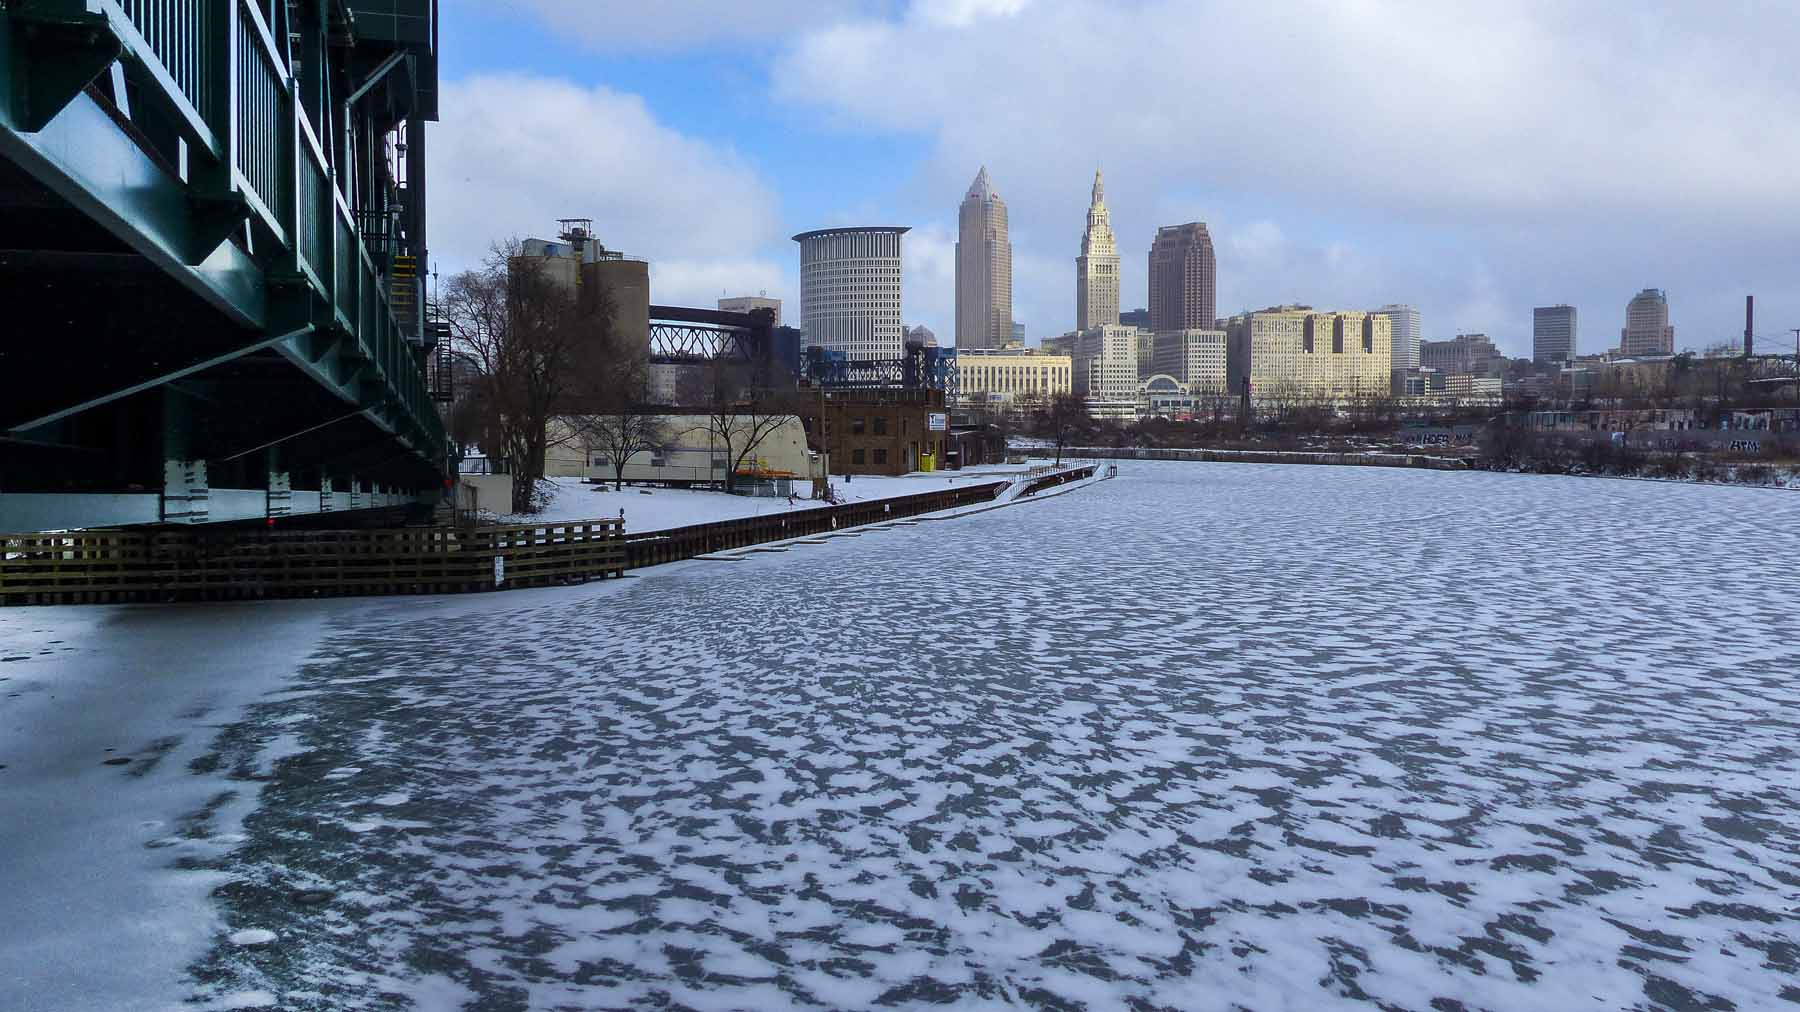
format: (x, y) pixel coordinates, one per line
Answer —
(1345, 459)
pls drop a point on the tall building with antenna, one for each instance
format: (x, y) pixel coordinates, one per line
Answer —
(1097, 268)
(983, 268)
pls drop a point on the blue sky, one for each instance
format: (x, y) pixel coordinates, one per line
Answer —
(1470, 160)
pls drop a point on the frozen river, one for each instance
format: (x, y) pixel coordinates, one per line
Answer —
(1201, 737)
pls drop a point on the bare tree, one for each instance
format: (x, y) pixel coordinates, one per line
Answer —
(1061, 417)
(740, 413)
(620, 422)
(521, 330)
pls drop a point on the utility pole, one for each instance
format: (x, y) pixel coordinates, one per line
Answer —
(1796, 364)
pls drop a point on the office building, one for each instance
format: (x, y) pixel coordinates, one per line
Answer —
(747, 303)
(1298, 353)
(1001, 378)
(1183, 278)
(1097, 268)
(1553, 334)
(1467, 388)
(1104, 371)
(1403, 321)
(983, 268)
(1647, 330)
(1467, 353)
(850, 290)
(1195, 357)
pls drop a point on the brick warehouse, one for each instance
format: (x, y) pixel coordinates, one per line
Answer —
(878, 431)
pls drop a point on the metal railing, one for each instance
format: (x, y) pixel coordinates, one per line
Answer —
(236, 103)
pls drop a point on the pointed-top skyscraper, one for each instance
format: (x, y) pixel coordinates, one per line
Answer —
(983, 268)
(1097, 268)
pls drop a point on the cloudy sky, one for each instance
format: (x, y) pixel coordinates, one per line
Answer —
(1473, 159)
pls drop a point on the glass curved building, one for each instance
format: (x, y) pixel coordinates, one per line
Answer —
(850, 290)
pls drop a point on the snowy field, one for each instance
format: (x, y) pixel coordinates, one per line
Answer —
(1201, 737)
(658, 509)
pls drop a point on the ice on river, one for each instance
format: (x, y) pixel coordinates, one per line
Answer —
(1204, 736)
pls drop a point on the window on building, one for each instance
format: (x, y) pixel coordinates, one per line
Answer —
(856, 457)
(719, 463)
(658, 460)
(880, 456)
(857, 425)
(881, 425)
(602, 460)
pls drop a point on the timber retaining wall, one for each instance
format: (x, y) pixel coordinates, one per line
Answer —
(175, 564)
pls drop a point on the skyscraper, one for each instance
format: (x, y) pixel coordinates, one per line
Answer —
(1183, 278)
(983, 268)
(850, 290)
(1097, 268)
(1404, 321)
(1553, 334)
(1647, 330)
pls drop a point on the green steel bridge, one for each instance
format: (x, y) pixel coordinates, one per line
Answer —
(212, 248)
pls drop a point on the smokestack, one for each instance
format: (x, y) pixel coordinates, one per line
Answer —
(1749, 325)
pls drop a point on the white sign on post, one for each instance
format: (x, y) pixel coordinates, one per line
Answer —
(937, 421)
(499, 570)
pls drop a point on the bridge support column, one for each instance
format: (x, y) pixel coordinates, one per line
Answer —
(185, 493)
(281, 486)
(327, 496)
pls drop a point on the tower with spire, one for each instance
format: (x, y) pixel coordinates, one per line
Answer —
(1097, 268)
(983, 268)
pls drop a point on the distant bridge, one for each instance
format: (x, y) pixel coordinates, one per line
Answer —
(683, 336)
(212, 241)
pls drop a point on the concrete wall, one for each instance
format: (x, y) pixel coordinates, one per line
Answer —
(493, 492)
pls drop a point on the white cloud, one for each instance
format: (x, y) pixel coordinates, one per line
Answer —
(1473, 158)
(680, 282)
(514, 153)
(685, 24)
(928, 264)
(963, 13)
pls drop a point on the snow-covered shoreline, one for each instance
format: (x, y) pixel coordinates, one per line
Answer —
(660, 509)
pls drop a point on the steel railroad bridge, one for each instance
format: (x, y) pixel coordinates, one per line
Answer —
(212, 240)
(683, 336)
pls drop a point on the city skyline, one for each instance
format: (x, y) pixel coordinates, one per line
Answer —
(705, 166)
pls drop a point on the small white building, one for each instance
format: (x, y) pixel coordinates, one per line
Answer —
(688, 452)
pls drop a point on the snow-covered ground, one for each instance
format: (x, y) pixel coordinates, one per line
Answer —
(1205, 736)
(657, 509)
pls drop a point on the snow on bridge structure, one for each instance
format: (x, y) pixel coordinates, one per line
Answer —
(212, 243)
